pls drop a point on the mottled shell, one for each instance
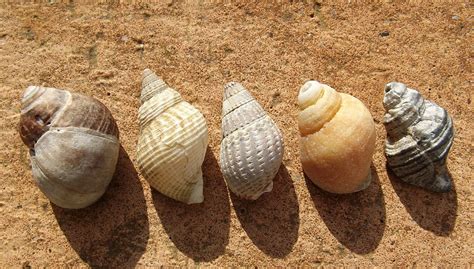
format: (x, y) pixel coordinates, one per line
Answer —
(252, 145)
(74, 146)
(173, 141)
(419, 136)
(337, 138)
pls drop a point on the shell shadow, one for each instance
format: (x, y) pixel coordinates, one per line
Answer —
(114, 231)
(435, 212)
(200, 231)
(272, 221)
(356, 220)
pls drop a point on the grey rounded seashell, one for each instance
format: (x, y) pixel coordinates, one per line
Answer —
(252, 145)
(419, 136)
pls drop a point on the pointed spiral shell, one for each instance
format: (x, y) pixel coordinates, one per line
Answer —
(74, 146)
(172, 143)
(337, 138)
(419, 137)
(252, 145)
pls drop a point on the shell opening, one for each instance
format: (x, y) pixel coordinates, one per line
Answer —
(309, 93)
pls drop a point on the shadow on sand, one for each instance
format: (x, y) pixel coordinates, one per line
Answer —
(435, 212)
(114, 231)
(356, 220)
(200, 231)
(272, 221)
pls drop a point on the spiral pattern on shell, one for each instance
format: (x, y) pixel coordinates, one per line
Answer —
(337, 138)
(419, 136)
(74, 146)
(252, 145)
(172, 143)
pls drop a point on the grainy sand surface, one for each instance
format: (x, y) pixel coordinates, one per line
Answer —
(100, 50)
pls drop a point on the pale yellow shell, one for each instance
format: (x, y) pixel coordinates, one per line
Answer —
(173, 141)
(337, 138)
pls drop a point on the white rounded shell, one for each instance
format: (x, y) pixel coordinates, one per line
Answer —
(252, 145)
(173, 141)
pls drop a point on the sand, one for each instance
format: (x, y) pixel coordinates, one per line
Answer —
(100, 50)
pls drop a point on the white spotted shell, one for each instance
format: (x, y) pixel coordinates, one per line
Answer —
(172, 143)
(419, 136)
(252, 145)
(74, 145)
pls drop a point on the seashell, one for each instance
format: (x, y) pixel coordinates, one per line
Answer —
(252, 145)
(173, 141)
(74, 145)
(419, 136)
(337, 138)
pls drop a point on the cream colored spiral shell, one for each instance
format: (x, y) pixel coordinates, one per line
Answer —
(173, 141)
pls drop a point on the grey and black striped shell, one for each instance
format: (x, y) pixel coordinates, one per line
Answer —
(419, 136)
(252, 145)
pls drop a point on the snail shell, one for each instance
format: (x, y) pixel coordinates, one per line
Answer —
(173, 141)
(419, 137)
(337, 138)
(252, 145)
(74, 145)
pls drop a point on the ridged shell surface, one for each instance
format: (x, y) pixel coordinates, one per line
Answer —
(419, 136)
(252, 145)
(172, 143)
(337, 138)
(74, 146)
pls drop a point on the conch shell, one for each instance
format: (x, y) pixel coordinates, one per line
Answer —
(252, 145)
(74, 145)
(419, 136)
(337, 138)
(173, 141)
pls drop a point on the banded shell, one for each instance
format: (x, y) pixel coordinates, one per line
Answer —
(419, 137)
(74, 145)
(252, 145)
(337, 138)
(172, 143)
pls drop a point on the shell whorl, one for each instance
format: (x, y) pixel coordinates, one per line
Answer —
(252, 145)
(44, 108)
(151, 85)
(318, 104)
(419, 137)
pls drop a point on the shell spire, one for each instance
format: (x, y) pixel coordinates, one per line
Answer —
(419, 136)
(172, 143)
(151, 85)
(252, 145)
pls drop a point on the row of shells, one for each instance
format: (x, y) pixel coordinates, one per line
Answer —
(74, 141)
